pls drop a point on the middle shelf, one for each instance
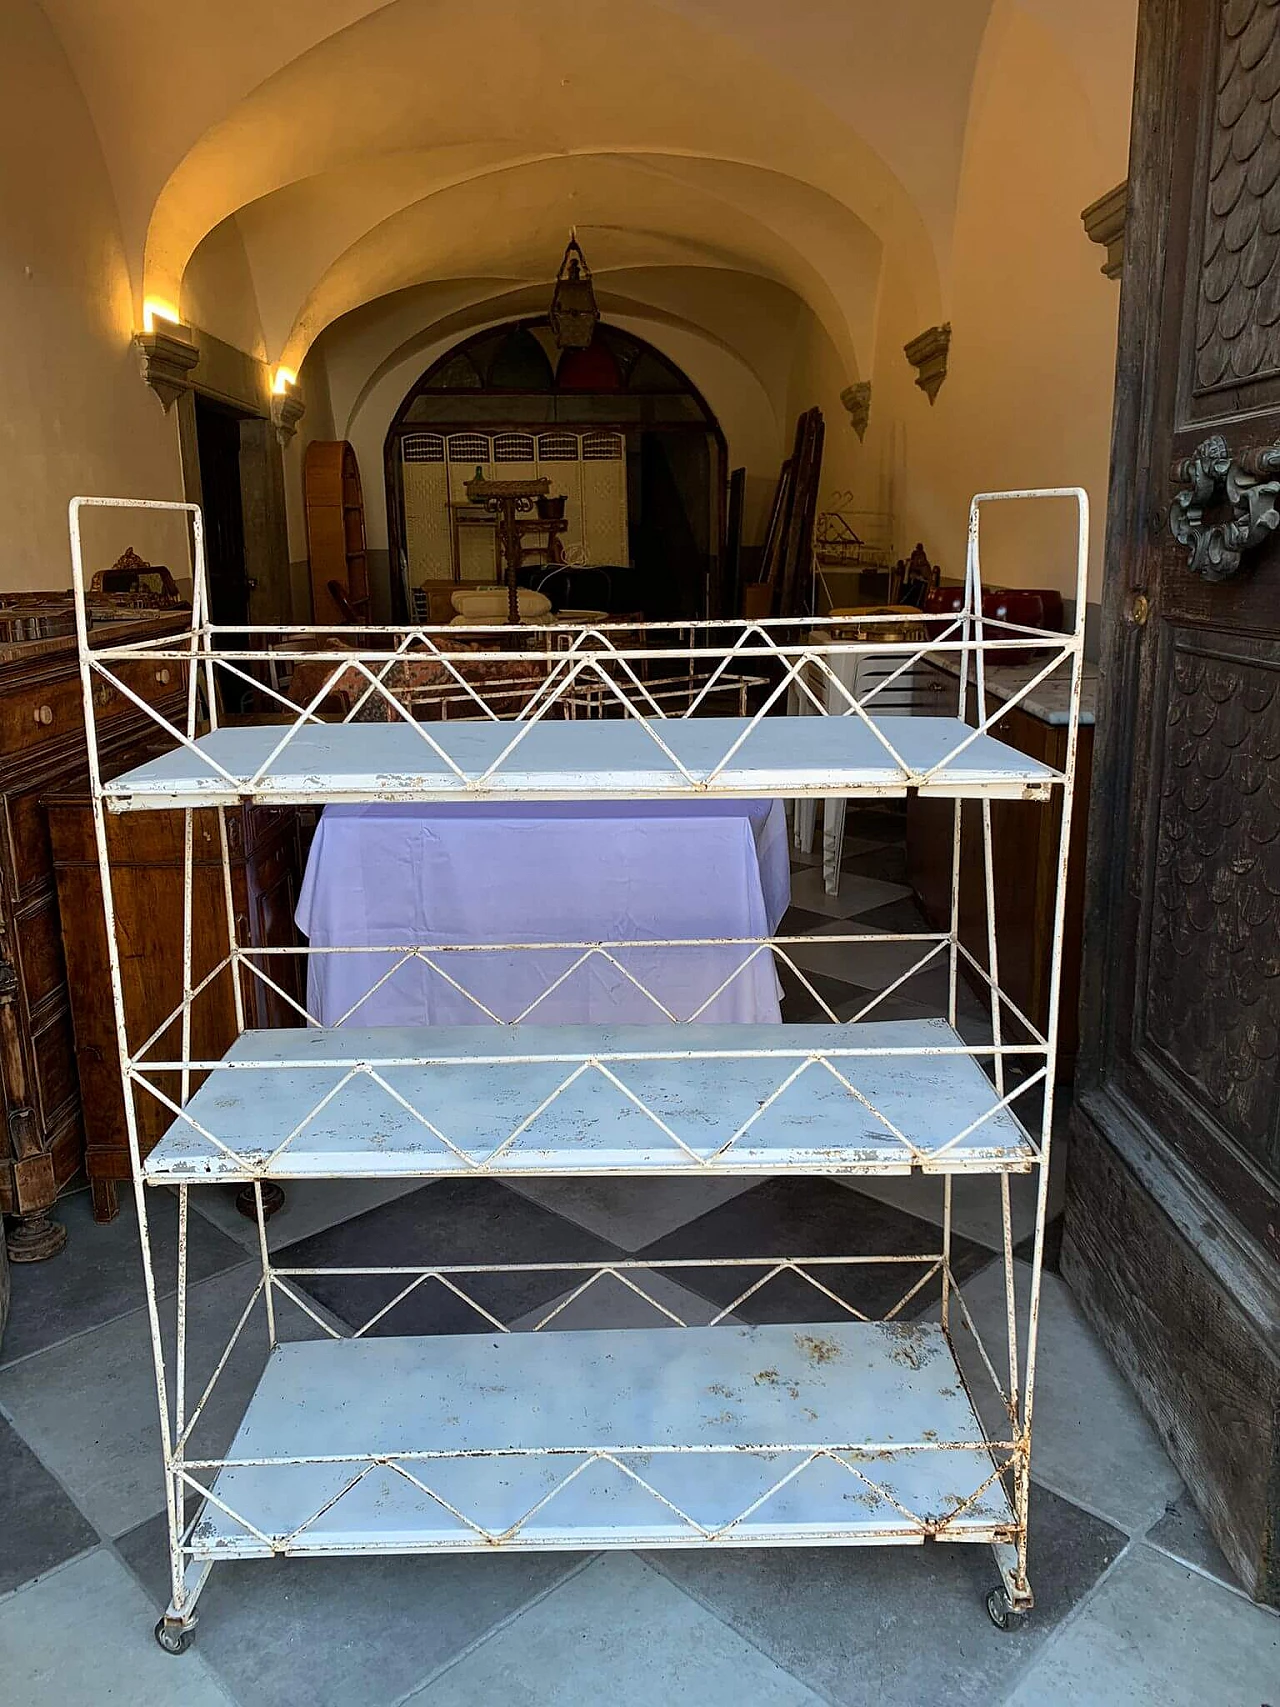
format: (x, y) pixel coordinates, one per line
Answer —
(876, 1097)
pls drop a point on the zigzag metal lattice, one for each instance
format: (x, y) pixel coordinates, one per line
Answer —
(806, 667)
(847, 1457)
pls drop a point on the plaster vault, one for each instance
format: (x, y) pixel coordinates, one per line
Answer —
(786, 194)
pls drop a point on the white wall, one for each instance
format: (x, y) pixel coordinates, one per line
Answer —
(75, 416)
(1028, 395)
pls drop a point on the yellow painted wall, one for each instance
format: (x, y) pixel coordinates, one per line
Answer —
(1027, 399)
(74, 415)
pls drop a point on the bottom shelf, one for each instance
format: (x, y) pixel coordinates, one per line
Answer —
(745, 1436)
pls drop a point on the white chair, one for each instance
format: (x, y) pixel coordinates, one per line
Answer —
(859, 673)
(804, 811)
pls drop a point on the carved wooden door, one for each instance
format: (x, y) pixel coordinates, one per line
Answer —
(1174, 1225)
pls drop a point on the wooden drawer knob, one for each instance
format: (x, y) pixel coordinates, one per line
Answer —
(164, 677)
(43, 715)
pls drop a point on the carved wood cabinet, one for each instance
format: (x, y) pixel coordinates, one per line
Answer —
(42, 746)
(266, 855)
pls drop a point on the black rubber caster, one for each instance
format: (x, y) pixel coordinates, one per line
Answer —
(1001, 1611)
(173, 1638)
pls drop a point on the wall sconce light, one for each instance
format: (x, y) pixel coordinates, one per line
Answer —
(156, 308)
(287, 408)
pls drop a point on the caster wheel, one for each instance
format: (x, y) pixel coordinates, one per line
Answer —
(173, 1638)
(1000, 1610)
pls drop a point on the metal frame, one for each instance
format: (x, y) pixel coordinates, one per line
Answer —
(611, 667)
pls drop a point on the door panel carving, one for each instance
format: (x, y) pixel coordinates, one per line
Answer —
(1212, 984)
(1238, 317)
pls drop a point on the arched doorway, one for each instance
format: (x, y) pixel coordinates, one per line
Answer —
(621, 432)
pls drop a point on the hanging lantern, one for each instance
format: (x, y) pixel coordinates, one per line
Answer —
(573, 313)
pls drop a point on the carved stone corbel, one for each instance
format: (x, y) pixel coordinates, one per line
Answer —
(166, 358)
(1104, 222)
(1212, 477)
(928, 355)
(286, 412)
(857, 400)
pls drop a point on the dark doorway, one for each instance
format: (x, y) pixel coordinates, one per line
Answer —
(508, 395)
(671, 545)
(218, 449)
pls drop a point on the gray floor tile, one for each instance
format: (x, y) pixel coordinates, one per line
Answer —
(898, 1626)
(39, 1526)
(82, 1638)
(789, 1217)
(310, 1206)
(1185, 1534)
(608, 1303)
(99, 1274)
(449, 1221)
(1159, 1635)
(804, 996)
(904, 914)
(616, 1633)
(89, 1407)
(1092, 1442)
(888, 863)
(796, 921)
(344, 1632)
(631, 1213)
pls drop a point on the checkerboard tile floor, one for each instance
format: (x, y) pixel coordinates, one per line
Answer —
(1134, 1602)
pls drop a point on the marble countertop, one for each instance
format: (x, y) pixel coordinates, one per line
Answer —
(1049, 701)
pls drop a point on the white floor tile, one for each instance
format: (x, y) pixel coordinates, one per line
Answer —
(88, 1408)
(1158, 1635)
(873, 965)
(310, 1206)
(857, 894)
(1091, 1441)
(617, 1633)
(83, 1638)
(631, 1213)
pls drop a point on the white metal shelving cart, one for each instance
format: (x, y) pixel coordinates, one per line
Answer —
(857, 1431)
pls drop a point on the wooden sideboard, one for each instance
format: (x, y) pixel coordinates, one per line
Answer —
(1024, 839)
(266, 847)
(42, 746)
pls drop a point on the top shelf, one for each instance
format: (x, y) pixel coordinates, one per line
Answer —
(599, 759)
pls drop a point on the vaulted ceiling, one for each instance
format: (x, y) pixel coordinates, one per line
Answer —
(325, 153)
